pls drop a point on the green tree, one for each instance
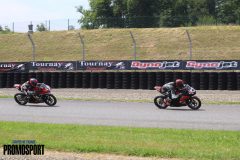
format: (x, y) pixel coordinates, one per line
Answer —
(41, 27)
(228, 11)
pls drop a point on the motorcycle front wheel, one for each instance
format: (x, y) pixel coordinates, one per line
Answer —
(50, 100)
(21, 98)
(159, 102)
(194, 103)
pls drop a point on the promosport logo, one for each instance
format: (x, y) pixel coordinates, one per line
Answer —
(212, 65)
(155, 65)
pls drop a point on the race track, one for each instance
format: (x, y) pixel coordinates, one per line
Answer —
(214, 117)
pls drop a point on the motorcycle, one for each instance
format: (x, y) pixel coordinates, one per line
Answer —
(187, 98)
(43, 95)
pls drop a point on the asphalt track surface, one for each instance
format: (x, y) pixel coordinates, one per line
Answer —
(213, 117)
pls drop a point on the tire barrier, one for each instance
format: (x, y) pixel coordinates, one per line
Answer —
(86, 80)
(238, 81)
(39, 76)
(70, 80)
(213, 83)
(10, 80)
(54, 80)
(135, 80)
(118, 80)
(222, 81)
(47, 78)
(110, 80)
(177, 75)
(195, 80)
(168, 77)
(17, 78)
(78, 80)
(126, 80)
(186, 76)
(102, 80)
(24, 77)
(231, 81)
(204, 76)
(143, 80)
(31, 75)
(3, 80)
(94, 80)
(160, 78)
(62, 80)
(151, 80)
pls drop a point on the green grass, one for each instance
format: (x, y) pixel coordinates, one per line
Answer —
(209, 42)
(146, 142)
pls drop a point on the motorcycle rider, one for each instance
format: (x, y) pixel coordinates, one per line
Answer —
(30, 87)
(170, 89)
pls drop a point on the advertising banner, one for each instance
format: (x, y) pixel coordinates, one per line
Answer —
(52, 66)
(119, 65)
(13, 66)
(211, 65)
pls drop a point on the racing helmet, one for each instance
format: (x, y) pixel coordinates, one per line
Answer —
(179, 83)
(33, 82)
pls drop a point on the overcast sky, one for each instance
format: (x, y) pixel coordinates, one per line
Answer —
(19, 11)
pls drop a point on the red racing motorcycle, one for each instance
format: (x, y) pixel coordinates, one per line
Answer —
(43, 95)
(187, 98)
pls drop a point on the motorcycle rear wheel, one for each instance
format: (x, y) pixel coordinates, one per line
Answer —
(50, 100)
(159, 102)
(194, 103)
(21, 98)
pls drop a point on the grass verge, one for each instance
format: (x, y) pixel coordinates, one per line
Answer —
(145, 142)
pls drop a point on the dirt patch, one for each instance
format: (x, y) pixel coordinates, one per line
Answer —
(54, 155)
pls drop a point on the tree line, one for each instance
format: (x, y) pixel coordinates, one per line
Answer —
(158, 13)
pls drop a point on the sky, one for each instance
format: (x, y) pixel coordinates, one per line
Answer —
(25, 11)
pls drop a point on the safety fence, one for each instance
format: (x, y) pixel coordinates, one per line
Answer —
(125, 80)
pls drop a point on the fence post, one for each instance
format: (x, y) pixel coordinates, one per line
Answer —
(13, 27)
(49, 25)
(190, 45)
(134, 46)
(83, 46)
(33, 46)
(68, 24)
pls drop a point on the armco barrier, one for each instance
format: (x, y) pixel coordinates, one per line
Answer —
(126, 80)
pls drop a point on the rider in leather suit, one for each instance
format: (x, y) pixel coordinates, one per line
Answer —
(30, 87)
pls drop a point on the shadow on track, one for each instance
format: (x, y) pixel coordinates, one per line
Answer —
(43, 106)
